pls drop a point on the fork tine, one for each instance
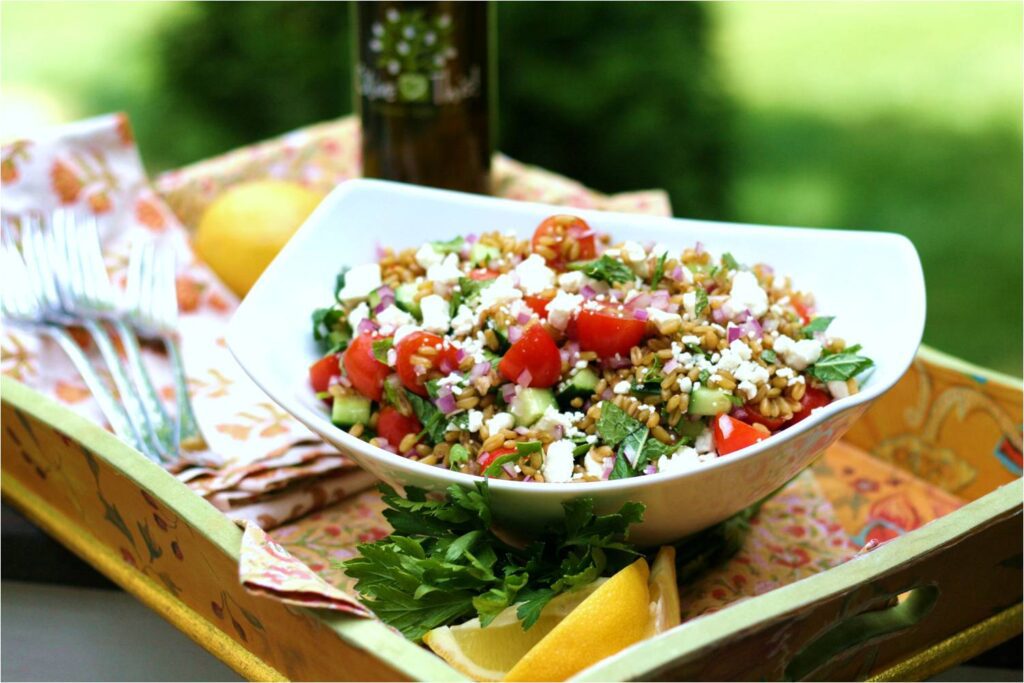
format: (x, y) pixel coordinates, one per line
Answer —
(167, 304)
(96, 268)
(133, 284)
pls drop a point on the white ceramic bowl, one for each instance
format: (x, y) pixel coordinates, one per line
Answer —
(871, 281)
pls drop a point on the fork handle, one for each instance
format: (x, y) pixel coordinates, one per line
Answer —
(129, 398)
(113, 412)
(159, 420)
(189, 436)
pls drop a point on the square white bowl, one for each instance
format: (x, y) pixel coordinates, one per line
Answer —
(871, 281)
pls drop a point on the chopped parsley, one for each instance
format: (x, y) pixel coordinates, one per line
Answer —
(702, 301)
(768, 356)
(331, 329)
(381, 348)
(819, 324)
(457, 455)
(659, 270)
(729, 261)
(452, 246)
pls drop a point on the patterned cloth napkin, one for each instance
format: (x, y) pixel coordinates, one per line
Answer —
(262, 465)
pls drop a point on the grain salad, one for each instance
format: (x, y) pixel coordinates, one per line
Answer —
(568, 357)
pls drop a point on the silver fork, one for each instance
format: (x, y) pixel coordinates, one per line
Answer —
(151, 301)
(77, 291)
(22, 305)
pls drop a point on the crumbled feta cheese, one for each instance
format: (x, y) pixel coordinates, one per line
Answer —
(748, 371)
(553, 418)
(658, 249)
(746, 295)
(358, 314)
(501, 291)
(404, 331)
(435, 313)
(534, 274)
(798, 354)
(394, 317)
(705, 443)
(561, 308)
(683, 460)
(476, 420)
(464, 321)
(733, 356)
(446, 272)
(685, 384)
(636, 256)
(581, 364)
(690, 303)
(661, 318)
(593, 466)
(558, 461)
(838, 389)
(427, 256)
(691, 339)
(571, 281)
(499, 422)
(360, 281)
(622, 387)
(747, 389)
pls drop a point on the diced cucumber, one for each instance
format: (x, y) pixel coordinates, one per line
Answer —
(690, 428)
(405, 299)
(350, 410)
(704, 401)
(481, 254)
(373, 299)
(530, 404)
(580, 385)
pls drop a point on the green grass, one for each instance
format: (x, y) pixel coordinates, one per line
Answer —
(902, 117)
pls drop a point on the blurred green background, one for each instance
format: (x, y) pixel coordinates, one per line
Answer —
(878, 116)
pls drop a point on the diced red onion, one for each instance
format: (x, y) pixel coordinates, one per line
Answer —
(527, 478)
(482, 456)
(366, 326)
(677, 273)
(514, 333)
(446, 366)
(640, 314)
(711, 286)
(718, 315)
(734, 333)
(766, 269)
(671, 365)
(588, 292)
(460, 355)
(640, 301)
(660, 300)
(609, 463)
(387, 297)
(508, 392)
(525, 377)
(344, 381)
(699, 247)
(510, 470)
(752, 328)
(607, 395)
(651, 469)
(522, 430)
(479, 370)
(446, 401)
(617, 362)
(419, 370)
(378, 248)
(556, 432)
(471, 238)
(523, 317)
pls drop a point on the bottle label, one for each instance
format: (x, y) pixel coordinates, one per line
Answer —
(411, 59)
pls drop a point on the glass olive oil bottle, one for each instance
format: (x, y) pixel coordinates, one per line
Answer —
(423, 87)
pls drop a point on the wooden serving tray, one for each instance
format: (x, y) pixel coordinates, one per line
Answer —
(957, 580)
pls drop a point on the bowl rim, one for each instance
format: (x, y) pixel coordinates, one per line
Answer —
(236, 343)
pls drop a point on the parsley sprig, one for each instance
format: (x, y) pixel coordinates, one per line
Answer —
(447, 561)
(606, 268)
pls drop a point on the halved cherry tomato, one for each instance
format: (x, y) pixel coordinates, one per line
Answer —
(483, 274)
(393, 426)
(813, 398)
(441, 362)
(751, 415)
(366, 372)
(321, 372)
(485, 459)
(552, 232)
(731, 435)
(537, 352)
(609, 331)
(802, 310)
(539, 305)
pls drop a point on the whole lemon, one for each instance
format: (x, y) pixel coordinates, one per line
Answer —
(241, 232)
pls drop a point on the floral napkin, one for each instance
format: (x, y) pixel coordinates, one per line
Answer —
(261, 465)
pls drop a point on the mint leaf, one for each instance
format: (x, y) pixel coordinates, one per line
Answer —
(819, 324)
(768, 356)
(381, 348)
(457, 455)
(496, 465)
(605, 268)
(615, 424)
(432, 419)
(729, 262)
(840, 366)
(452, 246)
(339, 281)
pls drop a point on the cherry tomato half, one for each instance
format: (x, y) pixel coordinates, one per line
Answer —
(537, 352)
(751, 415)
(485, 459)
(481, 274)
(393, 426)
(732, 435)
(813, 398)
(322, 371)
(552, 232)
(609, 331)
(442, 362)
(539, 305)
(366, 372)
(802, 310)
